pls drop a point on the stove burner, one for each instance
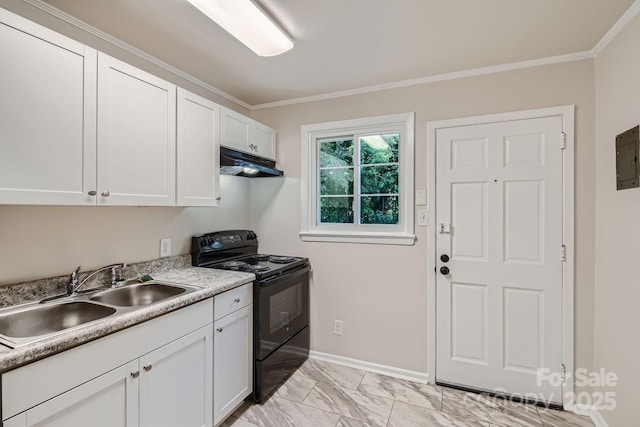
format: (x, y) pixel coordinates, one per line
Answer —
(281, 259)
(256, 268)
(261, 257)
(234, 264)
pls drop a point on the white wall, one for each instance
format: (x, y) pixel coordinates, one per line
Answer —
(617, 317)
(380, 291)
(44, 241)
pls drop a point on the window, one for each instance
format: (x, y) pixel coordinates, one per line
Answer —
(358, 180)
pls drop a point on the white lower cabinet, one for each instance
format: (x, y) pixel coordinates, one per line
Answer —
(176, 382)
(111, 400)
(233, 354)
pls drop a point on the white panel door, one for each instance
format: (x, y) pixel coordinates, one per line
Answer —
(176, 382)
(233, 361)
(136, 136)
(198, 156)
(499, 220)
(47, 116)
(110, 400)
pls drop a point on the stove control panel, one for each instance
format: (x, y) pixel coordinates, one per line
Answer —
(222, 240)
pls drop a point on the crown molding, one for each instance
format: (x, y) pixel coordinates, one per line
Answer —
(578, 56)
(54, 11)
(617, 27)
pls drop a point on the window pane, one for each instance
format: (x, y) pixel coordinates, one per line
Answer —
(336, 182)
(379, 179)
(336, 210)
(379, 210)
(337, 152)
(379, 149)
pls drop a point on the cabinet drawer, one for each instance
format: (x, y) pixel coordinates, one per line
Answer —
(230, 301)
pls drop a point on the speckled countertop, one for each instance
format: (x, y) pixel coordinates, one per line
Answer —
(211, 281)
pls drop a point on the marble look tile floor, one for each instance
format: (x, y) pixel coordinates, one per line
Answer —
(322, 394)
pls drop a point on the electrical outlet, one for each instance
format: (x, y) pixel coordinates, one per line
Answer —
(165, 247)
(337, 327)
(423, 217)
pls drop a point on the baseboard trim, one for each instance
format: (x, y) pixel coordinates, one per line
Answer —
(390, 371)
(589, 411)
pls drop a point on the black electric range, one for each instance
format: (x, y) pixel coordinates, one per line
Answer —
(280, 302)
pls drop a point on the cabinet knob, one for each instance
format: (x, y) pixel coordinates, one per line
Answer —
(135, 374)
(147, 368)
(105, 193)
(93, 192)
(218, 198)
(219, 329)
(237, 300)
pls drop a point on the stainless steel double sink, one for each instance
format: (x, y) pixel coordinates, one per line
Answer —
(32, 322)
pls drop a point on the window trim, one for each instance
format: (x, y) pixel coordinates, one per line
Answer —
(311, 229)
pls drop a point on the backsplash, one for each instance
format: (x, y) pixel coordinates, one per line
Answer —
(19, 293)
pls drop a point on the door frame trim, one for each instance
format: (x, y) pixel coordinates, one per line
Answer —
(567, 113)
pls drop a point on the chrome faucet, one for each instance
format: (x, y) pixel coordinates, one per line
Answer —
(75, 284)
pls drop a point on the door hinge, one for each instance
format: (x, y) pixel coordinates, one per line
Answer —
(563, 140)
(563, 370)
(563, 253)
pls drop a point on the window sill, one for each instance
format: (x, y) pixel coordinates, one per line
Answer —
(367, 238)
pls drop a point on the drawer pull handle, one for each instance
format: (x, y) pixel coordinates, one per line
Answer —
(220, 329)
(147, 368)
(237, 300)
(135, 374)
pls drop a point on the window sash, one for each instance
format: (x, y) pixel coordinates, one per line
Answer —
(357, 167)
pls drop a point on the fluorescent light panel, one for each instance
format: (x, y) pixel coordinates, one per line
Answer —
(246, 22)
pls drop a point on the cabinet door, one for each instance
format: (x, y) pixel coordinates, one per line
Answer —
(263, 139)
(136, 136)
(234, 129)
(176, 382)
(198, 161)
(233, 361)
(111, 400)
(47, 116)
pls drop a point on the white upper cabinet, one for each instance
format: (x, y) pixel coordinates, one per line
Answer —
(136, 136)
(247, 135)
(198, 154)
(47, 116)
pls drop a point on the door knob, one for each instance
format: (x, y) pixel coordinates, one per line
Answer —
(92, 193)
(444, 270)
(444, 258)
(147, 368)
(105, 194)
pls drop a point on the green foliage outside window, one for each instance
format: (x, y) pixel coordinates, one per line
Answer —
(378, 171)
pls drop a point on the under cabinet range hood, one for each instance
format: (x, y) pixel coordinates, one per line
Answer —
(237, 163)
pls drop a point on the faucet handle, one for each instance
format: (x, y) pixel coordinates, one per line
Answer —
(74, 274)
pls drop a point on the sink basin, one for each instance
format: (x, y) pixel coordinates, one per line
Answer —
(137, 295)
(49, 319)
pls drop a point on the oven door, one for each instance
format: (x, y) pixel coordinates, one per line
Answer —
(283, 309)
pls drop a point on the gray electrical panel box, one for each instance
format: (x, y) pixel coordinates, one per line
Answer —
(627, 159)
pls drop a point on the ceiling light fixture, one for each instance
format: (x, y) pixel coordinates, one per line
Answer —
(244, 20)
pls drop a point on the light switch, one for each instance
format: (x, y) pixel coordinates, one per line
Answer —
(421, 197)
(423, 217)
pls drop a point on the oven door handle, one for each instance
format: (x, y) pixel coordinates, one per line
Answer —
(288, 275)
